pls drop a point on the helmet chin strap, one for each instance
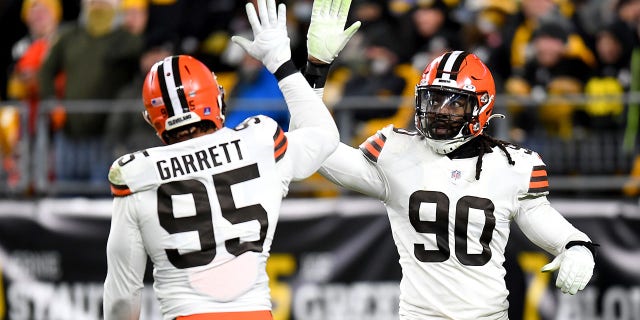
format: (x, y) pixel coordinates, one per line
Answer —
(447, 146)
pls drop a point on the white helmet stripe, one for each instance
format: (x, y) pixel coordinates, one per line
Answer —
(171, 85)
(448, 65)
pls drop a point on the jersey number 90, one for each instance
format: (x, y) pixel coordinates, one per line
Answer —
(440, 227)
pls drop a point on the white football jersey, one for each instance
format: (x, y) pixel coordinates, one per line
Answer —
(205, 210)
(450, 229)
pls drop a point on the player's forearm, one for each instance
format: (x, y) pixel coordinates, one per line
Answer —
(547, 228)
(348, 168)
(307, 109)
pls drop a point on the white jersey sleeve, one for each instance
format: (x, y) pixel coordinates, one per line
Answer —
(538, 220)
(126, 261)
(356, 168)
(313, 135)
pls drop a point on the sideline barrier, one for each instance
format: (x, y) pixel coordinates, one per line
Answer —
(331, 259)
(583, 166)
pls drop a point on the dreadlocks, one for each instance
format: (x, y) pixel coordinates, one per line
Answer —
(485, 144)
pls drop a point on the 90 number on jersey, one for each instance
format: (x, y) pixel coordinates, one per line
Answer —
(202, 221)
(440, 227)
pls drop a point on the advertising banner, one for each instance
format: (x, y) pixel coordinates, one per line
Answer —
(331, 259)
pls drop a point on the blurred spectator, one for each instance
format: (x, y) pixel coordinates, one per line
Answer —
(98, 58)
(377, 25)
(431, 31)
(484, 34)
(200, 28)
(135, 15)
(628, 12)
(552, 72)
(611, 78)
(374, 76)
(42, 18)
(126, 131)
(255, 92)
(517, 47)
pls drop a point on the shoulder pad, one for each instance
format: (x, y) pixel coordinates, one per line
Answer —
(532, 162)
(372, 147)
(267, 126)
(257, 121)
(118, 184)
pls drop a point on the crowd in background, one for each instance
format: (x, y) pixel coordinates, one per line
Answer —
(64, 50)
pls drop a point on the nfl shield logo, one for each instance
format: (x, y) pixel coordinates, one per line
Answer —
(207, 111)
(455, 174)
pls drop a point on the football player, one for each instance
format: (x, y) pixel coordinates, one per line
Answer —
(204, 207)
(451, 191)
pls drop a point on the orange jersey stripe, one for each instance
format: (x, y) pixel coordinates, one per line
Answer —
(120, 190)
(372, 147)
(280, 144)
(538, 184)
(279, 153)
(378, 141)
(249, 315)
(539, 173)
(375, 153)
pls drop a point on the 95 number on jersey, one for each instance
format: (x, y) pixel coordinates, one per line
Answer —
(202, 221)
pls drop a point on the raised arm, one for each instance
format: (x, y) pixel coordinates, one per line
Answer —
(316, 135)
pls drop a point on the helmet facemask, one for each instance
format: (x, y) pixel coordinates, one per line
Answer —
(444, 114)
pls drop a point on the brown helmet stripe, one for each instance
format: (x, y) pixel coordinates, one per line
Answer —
(175, 63)
(457, 64)
(163, 89)
(441, 65)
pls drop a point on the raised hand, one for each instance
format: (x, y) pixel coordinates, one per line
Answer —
(326, 36)
(270, 40)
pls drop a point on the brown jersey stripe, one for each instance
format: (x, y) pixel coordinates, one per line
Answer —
(120, 190)
(539, 171)
(539, 181)
(373, 146)
(280, 144)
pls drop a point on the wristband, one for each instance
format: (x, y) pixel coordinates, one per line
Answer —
(286, 69)
(589, 245)
(316, 74)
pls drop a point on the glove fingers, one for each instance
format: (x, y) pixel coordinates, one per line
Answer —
(282, 16)
(252, 16)
(344, 12)
(349, 32)
(272, 12)
(334, 10)
(263, 13)
(320, 7)
(242, 42)
(553, 265)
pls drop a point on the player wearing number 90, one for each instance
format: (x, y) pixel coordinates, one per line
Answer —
(205, 206)
(450, 190)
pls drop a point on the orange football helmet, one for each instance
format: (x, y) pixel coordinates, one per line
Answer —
(454, 100)
(180, 90)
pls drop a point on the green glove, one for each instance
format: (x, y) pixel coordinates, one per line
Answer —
(326, 36)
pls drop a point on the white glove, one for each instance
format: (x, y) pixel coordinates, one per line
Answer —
(270, 40)
(576, 268)
(326, 36)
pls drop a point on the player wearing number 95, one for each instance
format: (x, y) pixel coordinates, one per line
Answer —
(204, 207)
(450, 190)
